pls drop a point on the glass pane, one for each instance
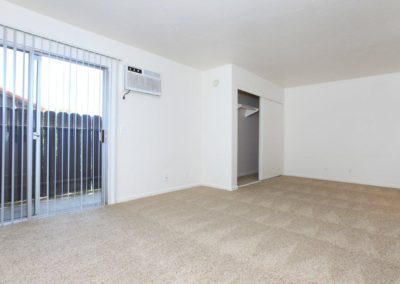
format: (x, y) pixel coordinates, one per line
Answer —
(71, 106)
(13, 104)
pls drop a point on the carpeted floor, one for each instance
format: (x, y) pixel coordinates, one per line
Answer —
(282, 230)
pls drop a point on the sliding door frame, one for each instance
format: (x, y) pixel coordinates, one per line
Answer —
(34, 47)
(34, 90)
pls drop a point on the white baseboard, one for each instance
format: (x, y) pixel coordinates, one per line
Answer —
(172, 189)
(147, 194)
(219, 186)
(247, 184)
(344, 180)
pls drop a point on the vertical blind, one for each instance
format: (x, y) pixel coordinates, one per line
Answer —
(54, 111)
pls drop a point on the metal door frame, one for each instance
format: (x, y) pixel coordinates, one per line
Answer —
(30, 133)
(34, 91)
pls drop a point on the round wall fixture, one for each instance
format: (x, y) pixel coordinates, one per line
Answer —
(215, 83)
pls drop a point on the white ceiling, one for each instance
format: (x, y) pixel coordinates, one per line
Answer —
(290, 42)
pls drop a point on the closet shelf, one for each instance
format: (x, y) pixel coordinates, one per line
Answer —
(247, 110)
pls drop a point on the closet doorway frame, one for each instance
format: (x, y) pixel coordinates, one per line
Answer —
(236, 139)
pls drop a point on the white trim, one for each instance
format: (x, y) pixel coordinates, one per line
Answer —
(250, 183)
(153, 193)
(261, 137)
(172, 189)
(235, 136)
(112, 138)
(222, 187)
(389, 186)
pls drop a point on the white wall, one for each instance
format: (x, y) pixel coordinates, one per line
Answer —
(156, 137)
(271, 148)
(346, 130)
(216, 128)
(271, 122)
(248, 137)
(186, 137)
(220, 124)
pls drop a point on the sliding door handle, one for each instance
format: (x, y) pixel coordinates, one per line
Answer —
(102, 136)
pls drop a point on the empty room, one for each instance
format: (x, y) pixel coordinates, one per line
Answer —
(200, 141)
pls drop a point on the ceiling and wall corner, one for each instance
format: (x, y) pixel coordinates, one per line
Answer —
(288, 42)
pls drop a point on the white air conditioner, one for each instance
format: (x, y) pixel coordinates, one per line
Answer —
(143, 81)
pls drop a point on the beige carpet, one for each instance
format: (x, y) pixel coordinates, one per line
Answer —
(281, 230)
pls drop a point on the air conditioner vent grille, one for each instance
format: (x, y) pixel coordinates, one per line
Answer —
(143, 81)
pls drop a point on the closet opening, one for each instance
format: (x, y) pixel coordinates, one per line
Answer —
(248, 138)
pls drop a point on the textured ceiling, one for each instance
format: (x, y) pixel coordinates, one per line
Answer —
(290, 42)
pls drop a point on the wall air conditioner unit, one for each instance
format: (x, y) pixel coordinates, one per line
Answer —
(143, 81)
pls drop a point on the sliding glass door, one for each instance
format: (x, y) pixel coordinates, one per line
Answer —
(53, 119)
